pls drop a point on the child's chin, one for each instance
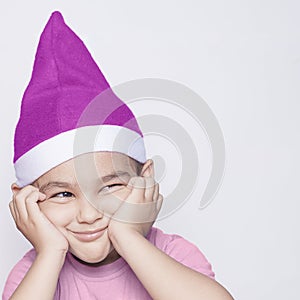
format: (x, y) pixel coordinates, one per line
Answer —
(93, 261)
(89, 260)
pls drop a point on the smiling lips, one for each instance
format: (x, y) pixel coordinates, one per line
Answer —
(89, 236)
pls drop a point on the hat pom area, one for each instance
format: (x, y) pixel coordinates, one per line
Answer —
(68, 97)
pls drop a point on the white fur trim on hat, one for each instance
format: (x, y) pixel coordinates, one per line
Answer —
(70, 144)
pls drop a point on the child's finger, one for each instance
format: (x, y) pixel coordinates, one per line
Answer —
(12, 210)
(156, 192)
(138, 188)
(32, 207)
(19, 202)
(159, 203)
(149, 189)
(13, 201)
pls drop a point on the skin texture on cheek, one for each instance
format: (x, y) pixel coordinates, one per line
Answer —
(61, 215)
(109, 203)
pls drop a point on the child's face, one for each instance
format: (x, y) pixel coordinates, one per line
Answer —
(69, 206)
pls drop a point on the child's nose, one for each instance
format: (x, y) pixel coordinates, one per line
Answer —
(87, 213)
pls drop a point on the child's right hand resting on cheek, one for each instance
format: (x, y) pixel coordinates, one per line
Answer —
(50, 244)
(34, 225)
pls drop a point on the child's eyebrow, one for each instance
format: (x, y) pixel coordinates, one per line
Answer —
(114, 175)
(52, 184)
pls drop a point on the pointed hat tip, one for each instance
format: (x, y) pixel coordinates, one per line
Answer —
(56, 17)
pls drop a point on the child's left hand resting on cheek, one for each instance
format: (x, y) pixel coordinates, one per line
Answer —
(159, 273)
(138, 211)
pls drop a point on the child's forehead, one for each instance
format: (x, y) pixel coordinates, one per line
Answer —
(90, 166)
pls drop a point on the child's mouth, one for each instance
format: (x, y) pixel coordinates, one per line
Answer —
(89, 236)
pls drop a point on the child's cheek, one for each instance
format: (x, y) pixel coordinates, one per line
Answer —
(111, 202)
(59, 214)
(123, 193)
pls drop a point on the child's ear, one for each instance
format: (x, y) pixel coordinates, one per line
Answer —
(15, 189)
(148, 169)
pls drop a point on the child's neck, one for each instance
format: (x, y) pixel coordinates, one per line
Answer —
(113, 256)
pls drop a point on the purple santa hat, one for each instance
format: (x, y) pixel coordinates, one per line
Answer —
(67, 98)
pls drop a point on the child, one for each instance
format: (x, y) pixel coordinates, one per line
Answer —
(88, 210)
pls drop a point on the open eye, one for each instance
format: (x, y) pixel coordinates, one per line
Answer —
(62, 195)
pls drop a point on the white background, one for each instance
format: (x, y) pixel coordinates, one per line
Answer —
(243, 58)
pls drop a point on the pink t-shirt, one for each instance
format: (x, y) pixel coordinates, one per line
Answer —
(112, 281)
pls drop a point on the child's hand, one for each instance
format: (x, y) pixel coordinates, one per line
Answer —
(33, 224)
(138, 211)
